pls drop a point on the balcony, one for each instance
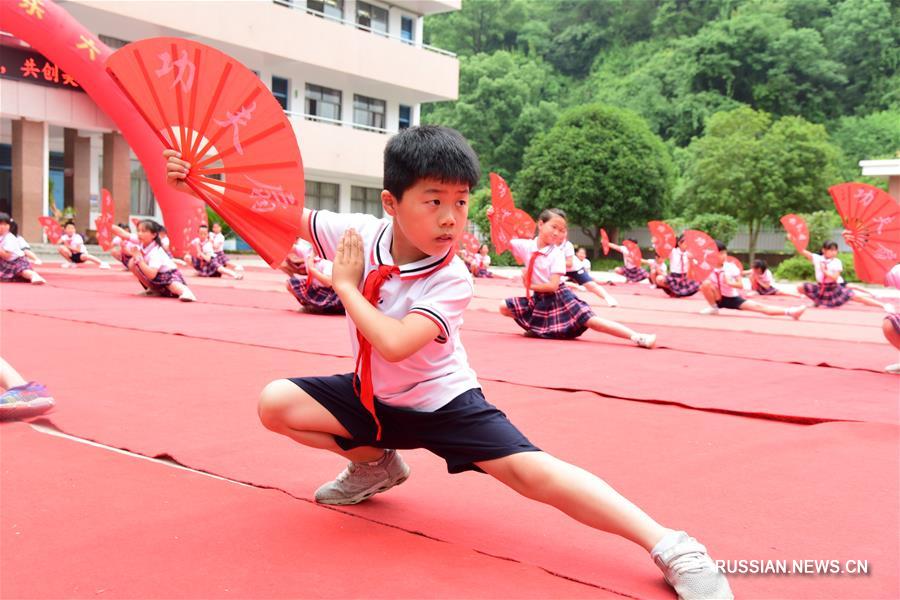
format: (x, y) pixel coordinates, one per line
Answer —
(338, 147)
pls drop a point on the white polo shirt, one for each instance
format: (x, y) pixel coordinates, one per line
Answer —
(10, 244)
(204, 246)
(440, 371)
(678, 261)
(218, 241)
(74, 242)
(157, 258)
(722, 274)
(551, 260)
(832, 266)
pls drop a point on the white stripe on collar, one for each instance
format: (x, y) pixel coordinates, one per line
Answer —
(381, 252)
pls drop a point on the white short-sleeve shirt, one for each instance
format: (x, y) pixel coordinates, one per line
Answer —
(630, 262)
(722, 274)
(832, 266)
(157, 258)
(10, 244)
(550, 260)
(74, 242)
(578, 264)
(568, 250)
(23, 243)
(766, 278)
(218, 241)
(678, 261)
(440, 371)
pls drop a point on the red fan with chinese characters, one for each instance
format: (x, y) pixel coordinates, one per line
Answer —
(663, 237)
(872, 228)
(106, 220)
(634, 253)
(604, 242)
(507, 222)
(52, 228)
(703, 253)
(470, 243)
(797, 231)
(244, 158)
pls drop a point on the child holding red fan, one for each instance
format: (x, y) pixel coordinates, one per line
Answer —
(677, 283)
(830, 289)
(549, 309)
(314, 291)
(154, 268)
(763, 282)
(632, 270)
(722, 290)
(578, 269)
(405, 293)
(13, 264)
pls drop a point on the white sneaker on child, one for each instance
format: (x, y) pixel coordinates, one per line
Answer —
(37, 280)
(645, 340)
(892, 368)
(104, 265)
(65, 265)
(187, 296)
(795, 312)
(689, 569)
(360, 480)
(889, 308)
(710, 310)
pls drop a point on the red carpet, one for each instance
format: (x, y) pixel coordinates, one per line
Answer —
(176, 534)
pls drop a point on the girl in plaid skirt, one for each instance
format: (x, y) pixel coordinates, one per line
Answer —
(314, 291)
(830, 289)
(204, 258)
(677, 283)
(632, 271)
(154, 268)
(549, 309)
(763, 283)
(13, 264)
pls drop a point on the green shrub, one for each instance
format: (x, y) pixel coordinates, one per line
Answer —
(797, 268)
(720, 227)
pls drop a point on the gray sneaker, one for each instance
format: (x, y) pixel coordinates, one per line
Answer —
(359, 481)
(689, 569)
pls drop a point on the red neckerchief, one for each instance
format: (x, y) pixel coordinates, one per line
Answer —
(529, 271)
(362, 383)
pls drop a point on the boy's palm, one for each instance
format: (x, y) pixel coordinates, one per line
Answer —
(348, 261)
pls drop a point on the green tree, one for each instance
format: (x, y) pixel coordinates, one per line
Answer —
(720, 227)
(756, 170)
(600, 164)
(866, 138)
(505, 99)
(481, 26)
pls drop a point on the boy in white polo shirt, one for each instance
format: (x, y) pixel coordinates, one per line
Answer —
(405, 291)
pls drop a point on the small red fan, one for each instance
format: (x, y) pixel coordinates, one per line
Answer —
(522, 224)
(52, 228)
(470, 243)
(104, 232)
(703, 253)
(872, 228)
(797, 231)
(663, 237)
(502, 203)
(244, 158)
(634, 253)
(604, 242)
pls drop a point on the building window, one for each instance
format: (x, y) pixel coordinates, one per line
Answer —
(280, 87)
(322, 102)
(368, 112)
(407, 31)
(321, 196)
(365, 200)
(372, 17)
(333, 9)
(142, 200)
(405, 117)
(113, 43)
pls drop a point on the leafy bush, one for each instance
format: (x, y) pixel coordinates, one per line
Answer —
(212, 217)
(797, 268)
(720, 227)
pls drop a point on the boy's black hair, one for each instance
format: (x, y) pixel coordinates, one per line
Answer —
(13, 227)
(5, 218)
(69, 222)
(549, 213)
(428, 152)
(721, 245)
(761, 265)
(829, 245)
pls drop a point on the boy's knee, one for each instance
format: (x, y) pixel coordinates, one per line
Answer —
(274, 399)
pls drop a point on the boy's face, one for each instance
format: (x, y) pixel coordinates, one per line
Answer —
(70, 229)
(431, 216)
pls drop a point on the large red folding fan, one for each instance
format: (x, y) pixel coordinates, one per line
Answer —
(470, 242)
(663, 237)
(507, 222)
(604, 241)
(106, 220)
(872, 228)
(797, 231)
(52, 228)
(244, 158)
(703, 253)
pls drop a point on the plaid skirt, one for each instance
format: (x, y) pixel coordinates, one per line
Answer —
(895, 321)
(482, 272)
(163, 280)
(831, 294)
(207, 268)
(317, 298)
(560, 315)
(10, 270)
(635, 274)
(680, 285)
(221, 256)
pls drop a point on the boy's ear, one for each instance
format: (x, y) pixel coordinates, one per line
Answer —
(389, 203)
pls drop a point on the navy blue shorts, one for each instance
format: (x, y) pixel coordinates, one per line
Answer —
(466, 430)
(730, 302)
(581, 276)
(76, 258)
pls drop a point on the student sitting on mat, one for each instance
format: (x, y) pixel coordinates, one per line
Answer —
(763, 283)
(71, 247)
(313, 291)
(218, 242)
(295, 262)
(124, 244)
(677, 283)
(830, 289)
(204, 258)
(13, 264)
(549, 309)
(657, 269)
(723, 290)
(481, 262)
(154, 268)
(632, 270)
(405, 293)
(24, 246)
(578, 269)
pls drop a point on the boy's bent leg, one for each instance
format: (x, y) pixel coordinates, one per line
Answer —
(585, 497)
